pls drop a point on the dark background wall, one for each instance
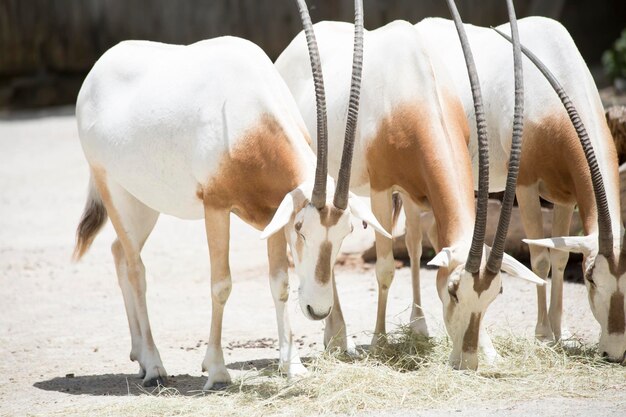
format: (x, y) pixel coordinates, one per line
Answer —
(48, 46)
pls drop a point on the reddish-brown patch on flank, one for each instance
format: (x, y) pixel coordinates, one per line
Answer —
(256, 175)
(200, 192)
(323, 267)
(423, 149)
(470, 338)
(553, 156)
(617, 316)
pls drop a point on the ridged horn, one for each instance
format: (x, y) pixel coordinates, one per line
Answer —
(340, 199)
(497, 252)
(318, 197)
(605, 232)
(478, 239)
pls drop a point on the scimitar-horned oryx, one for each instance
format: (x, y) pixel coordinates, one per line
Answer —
(201, 131)
(411, 138)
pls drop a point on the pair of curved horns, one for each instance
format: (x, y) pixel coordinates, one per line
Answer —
(476, 250)
(318, 198)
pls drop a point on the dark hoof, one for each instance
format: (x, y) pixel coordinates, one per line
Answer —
(219, 386)
(155, 382)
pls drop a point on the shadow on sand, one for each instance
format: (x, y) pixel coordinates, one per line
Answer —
(120, 385)
(131, 384)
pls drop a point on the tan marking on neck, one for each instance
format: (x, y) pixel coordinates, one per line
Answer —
(470, 338)
(256, 174)
(323, 267)
(423, 149)
(617, 319)
(553, 157)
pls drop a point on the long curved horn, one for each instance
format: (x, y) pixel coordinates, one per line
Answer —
(497, 252)
(478, 239)
(318, 198)
(605, 232)
(340, 199)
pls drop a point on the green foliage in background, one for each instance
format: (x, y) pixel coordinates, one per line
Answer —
(614, 59)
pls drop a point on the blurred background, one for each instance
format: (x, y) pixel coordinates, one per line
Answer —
(48, 46)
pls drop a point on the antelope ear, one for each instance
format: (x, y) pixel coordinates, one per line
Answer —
(513, 267)
(443, 258)
(281, 217)
(360, 210)
(579, 244)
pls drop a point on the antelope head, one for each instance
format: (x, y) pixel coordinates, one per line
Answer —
(604, 261)
(314, 227)
(470, 287)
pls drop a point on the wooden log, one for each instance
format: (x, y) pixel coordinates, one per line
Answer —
(616, 119)
(513, 246)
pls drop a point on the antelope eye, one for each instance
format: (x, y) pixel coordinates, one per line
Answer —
(298, 226)
(453, 295)
(589, 278)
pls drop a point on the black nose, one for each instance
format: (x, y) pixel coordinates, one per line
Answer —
(316, 316)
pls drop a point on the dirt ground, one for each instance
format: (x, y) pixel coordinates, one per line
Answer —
(64, 339)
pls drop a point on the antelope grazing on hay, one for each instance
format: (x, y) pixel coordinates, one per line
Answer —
(553, 164)
(411, 137)
(201, 131)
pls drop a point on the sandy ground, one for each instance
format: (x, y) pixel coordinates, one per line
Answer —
(60, 318)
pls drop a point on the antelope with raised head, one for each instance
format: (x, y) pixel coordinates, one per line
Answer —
(411, 138)
(201, 131)
(553, 164)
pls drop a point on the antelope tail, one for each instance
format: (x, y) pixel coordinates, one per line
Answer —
(94, 217)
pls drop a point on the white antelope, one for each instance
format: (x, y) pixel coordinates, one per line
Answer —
(553, 164)
(411, 137)
(201, 131)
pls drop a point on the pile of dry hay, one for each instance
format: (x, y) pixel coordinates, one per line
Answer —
(409, 372)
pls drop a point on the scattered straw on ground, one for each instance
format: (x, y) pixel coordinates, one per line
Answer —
(408, 372)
